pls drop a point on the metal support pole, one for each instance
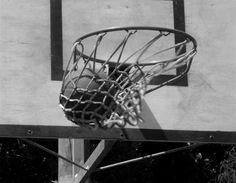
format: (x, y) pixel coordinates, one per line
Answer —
(148, 156)
(51, 152)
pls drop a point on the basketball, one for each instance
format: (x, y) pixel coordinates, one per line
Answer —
(90, 97)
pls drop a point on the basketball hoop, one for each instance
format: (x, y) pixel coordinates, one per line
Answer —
(110, 70)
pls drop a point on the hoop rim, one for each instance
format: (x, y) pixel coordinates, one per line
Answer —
(150, 28)
(128, 28)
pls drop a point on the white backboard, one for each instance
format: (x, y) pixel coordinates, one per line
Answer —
(35, 42)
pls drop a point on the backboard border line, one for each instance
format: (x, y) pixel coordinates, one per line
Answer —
(56, 31)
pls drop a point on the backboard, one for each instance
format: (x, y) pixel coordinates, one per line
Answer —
(35, 41)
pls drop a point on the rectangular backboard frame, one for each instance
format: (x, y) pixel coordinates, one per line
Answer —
(57, 41)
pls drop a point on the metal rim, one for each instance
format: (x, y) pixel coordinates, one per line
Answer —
(161, 29)
(129, 28)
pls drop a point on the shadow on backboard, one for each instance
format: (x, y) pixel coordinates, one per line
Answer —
(150, 129)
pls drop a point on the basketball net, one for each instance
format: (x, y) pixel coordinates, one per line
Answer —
(115, 98)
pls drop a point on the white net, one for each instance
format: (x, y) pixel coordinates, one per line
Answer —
(109, 71)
